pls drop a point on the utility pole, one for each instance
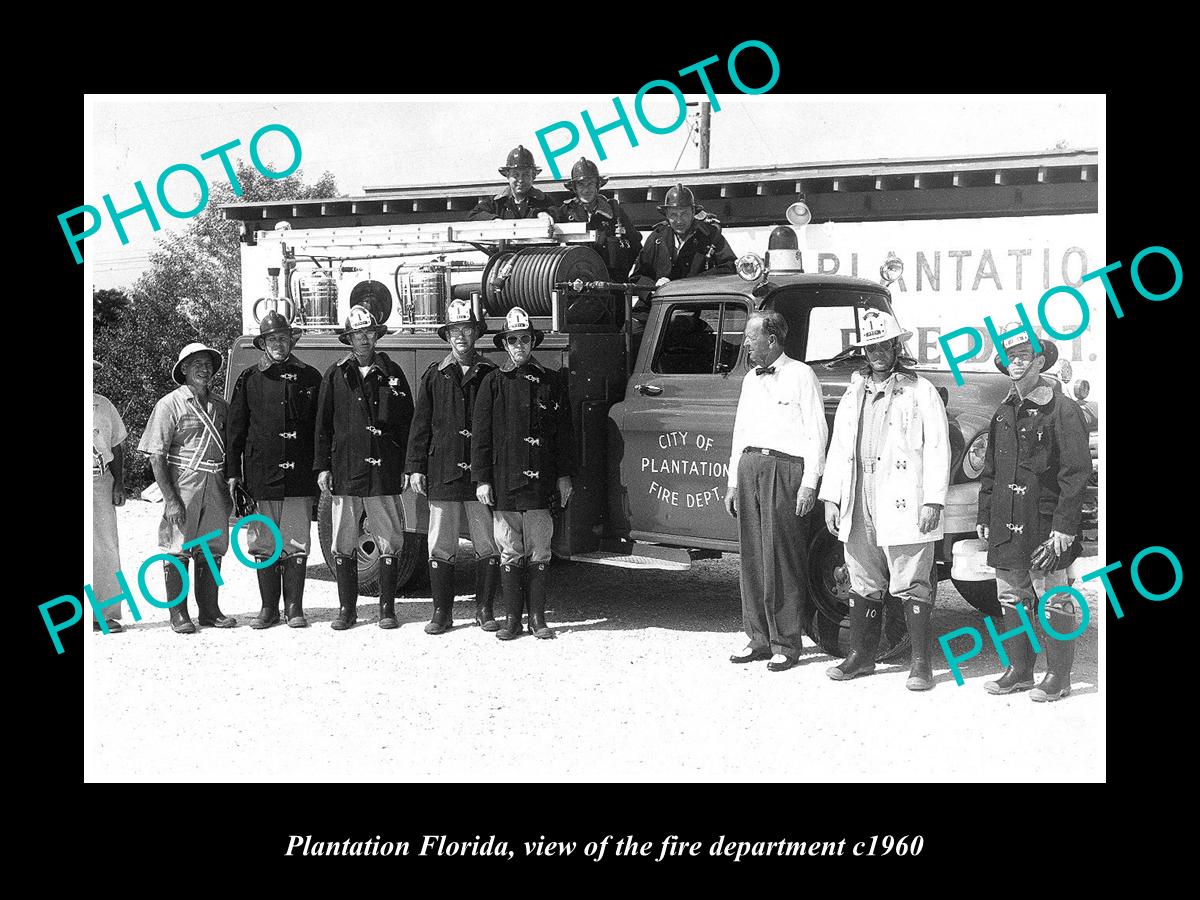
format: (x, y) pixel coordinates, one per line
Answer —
(704, 113)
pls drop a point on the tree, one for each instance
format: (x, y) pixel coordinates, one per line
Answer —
(107, 306)
(191, 292)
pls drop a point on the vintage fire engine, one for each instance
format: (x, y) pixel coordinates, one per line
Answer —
(653, 412)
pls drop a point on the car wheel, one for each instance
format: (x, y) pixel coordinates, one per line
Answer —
(981, 595)
(828, 615)
(367, 550)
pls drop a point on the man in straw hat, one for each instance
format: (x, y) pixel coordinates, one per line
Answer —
(779, 436)
(364, 412)
(520, 200)
(522, 452)
(439, 466)
(1030, 503)
(617, 241)
(269, 449)
(185, 438)
(886, 477)
(108, 492)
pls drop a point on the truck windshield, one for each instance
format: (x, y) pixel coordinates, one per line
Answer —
(823, 322)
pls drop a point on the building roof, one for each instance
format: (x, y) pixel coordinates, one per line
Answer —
(1007, 184)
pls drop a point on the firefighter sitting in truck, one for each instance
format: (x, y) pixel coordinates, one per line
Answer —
(520, 200)
(689, 242)
(617, 241)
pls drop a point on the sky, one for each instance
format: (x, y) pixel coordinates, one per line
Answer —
(397, 140)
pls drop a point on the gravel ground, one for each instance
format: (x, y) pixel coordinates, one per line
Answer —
(636, 687)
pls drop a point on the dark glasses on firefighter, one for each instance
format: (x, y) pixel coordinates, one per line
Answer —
(513, 339)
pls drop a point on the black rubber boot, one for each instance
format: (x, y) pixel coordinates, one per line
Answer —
(270, 586)
(295, 570)
(512, 586)
(1019, 674)
(1060, 655)
(441, 582)
(345, 570)
(387, 592)
(487, 576)
(181, 622)
(537, 601)
(210, 615)
(866, 625)
(920, 630)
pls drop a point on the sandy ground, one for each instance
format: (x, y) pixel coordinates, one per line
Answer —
(636, 687)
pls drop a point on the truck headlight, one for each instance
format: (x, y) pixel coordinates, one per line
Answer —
(973, 459)
(892, 268)
(750, 267)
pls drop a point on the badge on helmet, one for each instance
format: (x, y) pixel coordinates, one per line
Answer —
(877, 326)
(517, 322)
(460, 312)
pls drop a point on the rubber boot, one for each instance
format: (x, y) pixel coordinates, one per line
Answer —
(537, 601)
(866, 625)
(1021, 657)
(207, 591)
(920, 630)
(387, 593)
(512, 587)
(295, 570)
(441, 583)
(1056, 683)
(270, 585)
(487, 576)
(181, 622)
(345, 570)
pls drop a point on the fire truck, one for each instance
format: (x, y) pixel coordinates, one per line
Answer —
(653, 408)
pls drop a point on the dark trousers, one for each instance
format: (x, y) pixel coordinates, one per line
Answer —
(774, 553)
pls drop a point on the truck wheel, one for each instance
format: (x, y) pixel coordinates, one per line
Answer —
(829, 617)
(981, 595)
(368, 550)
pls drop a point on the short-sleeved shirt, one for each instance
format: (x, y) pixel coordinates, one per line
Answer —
(107, 432)
(191, 437)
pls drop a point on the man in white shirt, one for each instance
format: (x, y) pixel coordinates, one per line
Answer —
(779, 439)
(108, 492)
(884, 490)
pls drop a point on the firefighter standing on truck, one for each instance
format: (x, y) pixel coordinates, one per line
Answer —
(364, 412)
(185, 438)
(520, 200)
(617, 241)
(1030, 504)
(439, 466)
(269, 447)
(522, 451)
(884, 488)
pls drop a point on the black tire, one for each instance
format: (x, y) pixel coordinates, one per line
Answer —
(411, 554)
(829, 617)
(981, 595)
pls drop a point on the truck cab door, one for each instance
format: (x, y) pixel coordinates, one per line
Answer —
(676, 423)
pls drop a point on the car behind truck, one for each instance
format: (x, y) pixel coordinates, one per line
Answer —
(653, 412)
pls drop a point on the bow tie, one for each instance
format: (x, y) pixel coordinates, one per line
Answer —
(765, 370)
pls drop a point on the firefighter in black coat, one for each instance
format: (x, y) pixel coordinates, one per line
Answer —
(269, 452)
(617, 241)
(364, 413)
(439, 466)
(1030, 504)
(521, 200)
(522, 453)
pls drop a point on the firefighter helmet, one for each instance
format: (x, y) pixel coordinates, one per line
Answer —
(460, 312)
(517, 322)
(361, 318)
(677, 197)
(273, 323)
(519, 157)
(585, 168)
(1020, 338)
